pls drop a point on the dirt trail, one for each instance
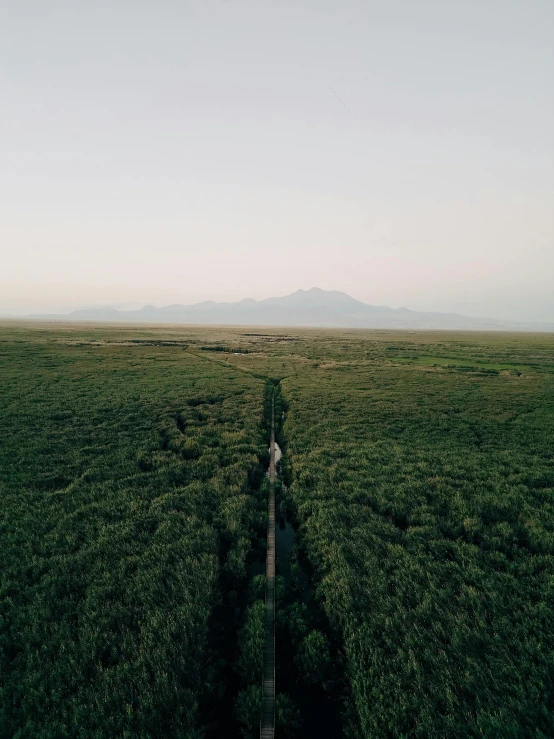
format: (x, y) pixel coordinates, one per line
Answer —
(267, 723)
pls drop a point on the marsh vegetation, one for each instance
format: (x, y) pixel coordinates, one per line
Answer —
(416, 491)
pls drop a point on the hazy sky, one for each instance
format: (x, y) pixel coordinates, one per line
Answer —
(159, 152)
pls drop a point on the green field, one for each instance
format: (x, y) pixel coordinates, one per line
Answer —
(419, 477)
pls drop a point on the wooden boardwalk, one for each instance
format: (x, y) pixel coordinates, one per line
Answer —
(267, 723)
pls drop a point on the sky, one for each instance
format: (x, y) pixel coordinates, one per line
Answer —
(177, 151)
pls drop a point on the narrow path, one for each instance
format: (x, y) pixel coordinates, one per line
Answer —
(267, 723)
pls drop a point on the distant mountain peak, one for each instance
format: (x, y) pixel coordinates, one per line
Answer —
(312, 307)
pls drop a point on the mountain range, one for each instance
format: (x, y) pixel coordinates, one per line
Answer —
(314, 307)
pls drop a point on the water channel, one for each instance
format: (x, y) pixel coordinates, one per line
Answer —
(285, 536)
(319, 713)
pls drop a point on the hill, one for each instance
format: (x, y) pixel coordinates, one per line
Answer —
(314, 307)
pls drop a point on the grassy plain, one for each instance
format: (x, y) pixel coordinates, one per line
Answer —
(129, 476)
(421, 482)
